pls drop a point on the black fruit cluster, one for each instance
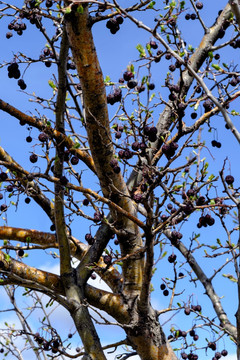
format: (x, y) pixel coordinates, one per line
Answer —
(172, 258)
(206, 220)
(114, 24)
(169, 149)
(125, 154)
(115, 166)
(150, 132)
(208, 105)
(131, 82)
(22, 84)
(13, 71)
(190, 356)
(216, 143)
(17, 27)
(175, 237)
(200, 201)
(115, 96)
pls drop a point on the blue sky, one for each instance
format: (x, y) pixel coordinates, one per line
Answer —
(115, 53)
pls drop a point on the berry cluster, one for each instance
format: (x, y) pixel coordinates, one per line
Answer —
(151, 133)
(206, 220)
(175, 237)
(114, 24)
(17, 27)
(115, 166)
(115, 96)
(125, 154)
(129, 77)
(169, 149)
(208, 105)
(216, 144)
(22, 84)
(13, 71)
(163, 288)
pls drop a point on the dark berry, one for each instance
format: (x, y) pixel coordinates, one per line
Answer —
(3, 207)
(224, 352)
(27, 200)
(162, 286)
(42, 137)
(20, 252)
(151, 86)
(199, 5)
(165, 292)
(9, 34)
(172, 258)
(187, 310)
(128, 75)
(229, 179)
(119, 19)
(74, 160)
(193, 115)
(28, 139)
(63, 180)
(153, 44)
(132, 84)
(22, 84)
(9, 188)
(52, 227)
(33, 158)
(107, 259)
(85, 202)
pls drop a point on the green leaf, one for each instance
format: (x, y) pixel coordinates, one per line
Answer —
(80, 9)
(164, 254)
(230, 277)
(76, 145)
(151, 5)
(68, 10)
(210, 178)
(216, 66)
(182, 4)
(51, 83)
(140, 48)
(7, 257)
(210, 54)
(225, 65)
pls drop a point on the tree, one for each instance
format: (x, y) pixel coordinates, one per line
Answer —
(147, 181)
